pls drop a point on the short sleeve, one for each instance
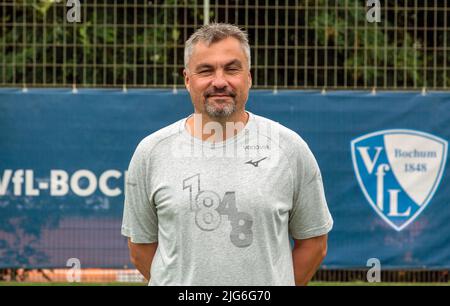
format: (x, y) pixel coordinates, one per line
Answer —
(140, 220)
(310, 216)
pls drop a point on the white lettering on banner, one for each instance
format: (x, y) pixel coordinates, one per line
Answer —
(369, 163)
(75, 183)
(103, 183)
(29, 188)
(82, 183)
(18, 181)
(58, 183)
(5, 181)
(380, 173)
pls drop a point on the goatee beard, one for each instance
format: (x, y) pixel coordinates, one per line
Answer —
(222, 112)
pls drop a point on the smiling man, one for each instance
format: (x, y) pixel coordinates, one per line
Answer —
(224, 216)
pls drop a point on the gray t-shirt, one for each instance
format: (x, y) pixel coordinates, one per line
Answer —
(222, 213)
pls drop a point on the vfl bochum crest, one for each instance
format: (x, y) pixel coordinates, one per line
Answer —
(399, 172)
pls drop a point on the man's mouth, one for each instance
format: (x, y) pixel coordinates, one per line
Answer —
(223, 94)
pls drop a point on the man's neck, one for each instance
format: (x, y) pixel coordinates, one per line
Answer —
(204, 127)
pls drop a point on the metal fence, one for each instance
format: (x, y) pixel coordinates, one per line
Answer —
(296, 44)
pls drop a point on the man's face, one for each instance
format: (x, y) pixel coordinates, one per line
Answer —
(218, 78)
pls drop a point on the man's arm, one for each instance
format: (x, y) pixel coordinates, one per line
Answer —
(307, 256)
(141, 255)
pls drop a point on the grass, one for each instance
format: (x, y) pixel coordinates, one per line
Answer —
(143, 284)
(375, 284)
(69, 284)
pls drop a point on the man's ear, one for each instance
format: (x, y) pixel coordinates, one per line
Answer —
(250, 80)
(186, 79)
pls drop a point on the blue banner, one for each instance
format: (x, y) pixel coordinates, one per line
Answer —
(64, 155)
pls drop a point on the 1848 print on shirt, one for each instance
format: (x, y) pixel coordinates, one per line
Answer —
(210, 208)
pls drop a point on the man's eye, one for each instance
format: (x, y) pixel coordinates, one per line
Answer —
(204, 71)
(233, 69)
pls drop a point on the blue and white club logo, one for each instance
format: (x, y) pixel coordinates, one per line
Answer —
(399, 172)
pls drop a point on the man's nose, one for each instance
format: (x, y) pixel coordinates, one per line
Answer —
(219, 80)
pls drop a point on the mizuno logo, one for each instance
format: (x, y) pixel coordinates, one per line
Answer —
(255, 163)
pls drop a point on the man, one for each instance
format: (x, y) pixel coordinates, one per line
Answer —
(213, 198)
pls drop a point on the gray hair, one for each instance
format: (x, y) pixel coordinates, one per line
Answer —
(215, 32)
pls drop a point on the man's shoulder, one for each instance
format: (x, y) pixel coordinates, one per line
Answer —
(159, 137)
(285, 137)
(291, 145)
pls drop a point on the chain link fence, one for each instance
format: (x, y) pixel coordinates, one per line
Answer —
(296, 44)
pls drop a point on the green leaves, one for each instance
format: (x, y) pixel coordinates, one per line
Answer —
(334, 44)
